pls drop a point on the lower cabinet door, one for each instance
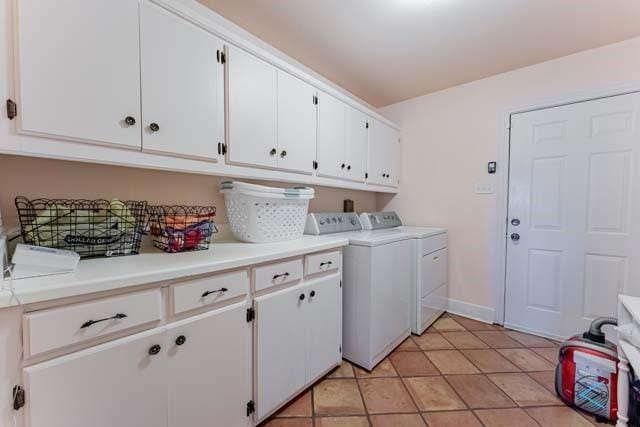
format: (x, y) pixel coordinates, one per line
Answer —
(210, 369)
(120, 383)
(280, 347)
(323, 313)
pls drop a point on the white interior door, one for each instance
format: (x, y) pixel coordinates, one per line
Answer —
(296, 124)
(573, 195)
(182, 89)
(324, 327)
(79, 70)
(210, 369)
(252, 113)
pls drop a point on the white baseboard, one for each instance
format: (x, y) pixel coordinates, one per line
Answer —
(473, 311)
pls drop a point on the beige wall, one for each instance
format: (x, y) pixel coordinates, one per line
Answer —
(449, 136)
(33, 177)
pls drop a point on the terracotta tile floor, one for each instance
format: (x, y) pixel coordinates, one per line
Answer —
(459, 373)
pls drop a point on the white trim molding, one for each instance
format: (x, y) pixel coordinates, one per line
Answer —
(472, 311)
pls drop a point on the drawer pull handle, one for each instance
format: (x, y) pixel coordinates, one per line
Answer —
(155, 349)
(206, 294)
(322, 264)
(93, 322)
(285, 274)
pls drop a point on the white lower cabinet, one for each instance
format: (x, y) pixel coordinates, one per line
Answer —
(210, 369)
(298, 336)
(119, 383)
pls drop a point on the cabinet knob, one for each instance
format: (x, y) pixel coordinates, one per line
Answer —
(301, 297)
(283, 154)
(312, 294)
(349, 167)
(273, 152)
(342, 166)
(154, 127)
(130, 121)
(155, 349)
(181, 340)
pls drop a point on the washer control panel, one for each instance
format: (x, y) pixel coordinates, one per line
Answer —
(332, 222)
(380, 220)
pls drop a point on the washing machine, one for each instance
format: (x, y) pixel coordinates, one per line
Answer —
(429, 268)
(376, 291)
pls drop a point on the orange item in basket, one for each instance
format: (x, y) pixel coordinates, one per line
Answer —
(180, 222)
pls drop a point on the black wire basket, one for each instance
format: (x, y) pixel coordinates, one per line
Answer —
(92, 228)
(182, 228)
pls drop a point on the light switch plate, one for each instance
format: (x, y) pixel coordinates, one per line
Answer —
(484, 188)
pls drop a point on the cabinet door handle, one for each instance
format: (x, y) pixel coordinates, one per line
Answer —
(273, 152)
(207, 293)
(284, 153)
(154, 127)
(322, 264)
(277, 276)
(342, 166)
(312, 294)
(301, 297)
(348, 167)
(129, 121)
(154, 349)
(93, 322)
(181, 340)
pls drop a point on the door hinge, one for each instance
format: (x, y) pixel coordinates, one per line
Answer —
(340, 283)
(18, 397)
(315, 99)
(251, 314)
(251, 407)
(223, 57)
(315, 164)
(340, 349)
(12, 109)
(366, 175)
(366, 125)
(222, 148)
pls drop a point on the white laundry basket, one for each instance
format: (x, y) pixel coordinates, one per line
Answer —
(260, 214)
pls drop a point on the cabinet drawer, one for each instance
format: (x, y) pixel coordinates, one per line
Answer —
(277, 274)
(209, 290)
(318, 263)
(434, 243)
(55, 328)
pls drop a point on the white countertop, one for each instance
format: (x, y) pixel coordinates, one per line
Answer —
(152, 265)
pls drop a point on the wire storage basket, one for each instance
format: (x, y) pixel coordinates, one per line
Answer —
(182, 228)
(92, 228)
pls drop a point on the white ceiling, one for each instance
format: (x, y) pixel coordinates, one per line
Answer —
(385, 51)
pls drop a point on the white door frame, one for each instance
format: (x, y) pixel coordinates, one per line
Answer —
(502, 187)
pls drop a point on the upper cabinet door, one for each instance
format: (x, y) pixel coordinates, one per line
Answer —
(78, 70)
(357, 142)
(383, 154)
(182, 86)
(210, 369)
(296, 124)
(252, 110)
(331, 136)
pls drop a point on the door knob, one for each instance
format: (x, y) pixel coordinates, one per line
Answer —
(154, 127)
(515, 237)
(273, 151)
(155, 349)
(130, 121)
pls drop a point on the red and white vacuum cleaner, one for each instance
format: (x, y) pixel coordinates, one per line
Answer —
(587, 371)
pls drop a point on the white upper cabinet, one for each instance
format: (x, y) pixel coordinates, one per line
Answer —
(252, 110)
(296, 124)
(384, 154)
(331, 136)
(356, 145)
(78, 70)
(182, 86)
